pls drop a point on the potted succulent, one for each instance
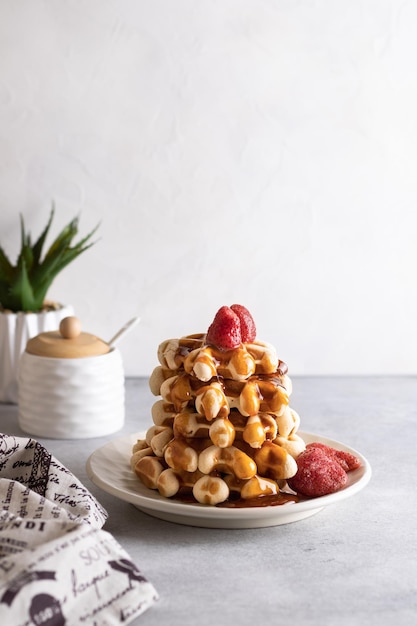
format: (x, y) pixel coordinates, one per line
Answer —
(24, 310)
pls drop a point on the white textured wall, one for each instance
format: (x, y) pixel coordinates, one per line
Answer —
(260, 152)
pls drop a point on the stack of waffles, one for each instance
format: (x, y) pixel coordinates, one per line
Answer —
(223, 429)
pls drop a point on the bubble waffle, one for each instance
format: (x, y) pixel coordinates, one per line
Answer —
(230, 460)
(252, 488)
(163, 413)
(238, 364)
(293, 444)
(222, 424)
(148, 469)
(203, 361)
(139, 450)
(222, 431)
(215, 399)
(173, 352)
(158, 437)
(158, 376)
(205, 488)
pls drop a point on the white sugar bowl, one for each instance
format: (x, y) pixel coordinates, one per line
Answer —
(71, 385)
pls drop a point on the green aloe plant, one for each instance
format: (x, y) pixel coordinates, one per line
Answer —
(23, 286)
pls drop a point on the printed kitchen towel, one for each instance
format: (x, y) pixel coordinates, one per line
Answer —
(57, 565)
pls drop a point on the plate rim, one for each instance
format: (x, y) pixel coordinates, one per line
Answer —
(153, 503)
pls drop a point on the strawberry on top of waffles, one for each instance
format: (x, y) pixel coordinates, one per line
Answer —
(231, 327)
(223, 430)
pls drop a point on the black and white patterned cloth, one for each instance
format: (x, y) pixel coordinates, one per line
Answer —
(57, 565)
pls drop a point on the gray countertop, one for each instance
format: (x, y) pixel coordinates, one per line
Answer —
(353, 563)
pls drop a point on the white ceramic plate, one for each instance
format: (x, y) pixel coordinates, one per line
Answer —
(108, 467)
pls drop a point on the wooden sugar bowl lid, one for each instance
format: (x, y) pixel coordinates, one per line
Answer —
(67, 343)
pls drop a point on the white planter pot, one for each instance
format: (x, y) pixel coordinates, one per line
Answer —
(15, 330)
(71, 398)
